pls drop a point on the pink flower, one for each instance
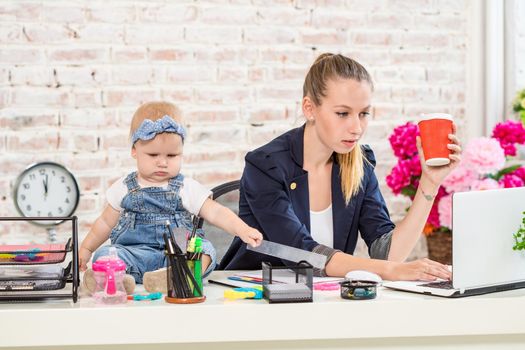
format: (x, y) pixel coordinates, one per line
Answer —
(486, 184)
(482, 158)
(403, 140)
(459, 179)
(509, 134)
(445, 211)
(433, 217)
(520, 172)
(484, 155)
(511, 180)
(402, 174)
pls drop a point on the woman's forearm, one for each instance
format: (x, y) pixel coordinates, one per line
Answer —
(341, 263)
(408, 231)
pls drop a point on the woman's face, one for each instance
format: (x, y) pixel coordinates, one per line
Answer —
(342, 117)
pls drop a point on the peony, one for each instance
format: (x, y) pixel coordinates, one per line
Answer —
(445, 211)
(402, 174)
(509, 134)
(511, 180)
(482, 168)
(520, 172)
(484, 155)
(433, 217)
(485, 184)
(459, 179)
(403, 140)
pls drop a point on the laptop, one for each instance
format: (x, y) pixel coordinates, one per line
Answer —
(483, 261)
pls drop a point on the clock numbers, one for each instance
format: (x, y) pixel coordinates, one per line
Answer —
(46, 190)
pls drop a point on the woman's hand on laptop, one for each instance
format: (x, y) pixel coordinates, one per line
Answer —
(422, 269)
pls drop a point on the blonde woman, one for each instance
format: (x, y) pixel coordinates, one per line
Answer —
(314, 187)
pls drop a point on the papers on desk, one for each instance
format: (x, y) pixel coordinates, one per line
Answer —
(286, 276)
(247, 279)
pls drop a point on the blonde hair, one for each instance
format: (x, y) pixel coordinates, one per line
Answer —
(329, 66)
(154, 111)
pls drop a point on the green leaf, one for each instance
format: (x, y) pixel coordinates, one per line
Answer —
(408, 191)
(504, 171)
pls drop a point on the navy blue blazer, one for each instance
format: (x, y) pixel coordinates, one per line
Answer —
(281, 211)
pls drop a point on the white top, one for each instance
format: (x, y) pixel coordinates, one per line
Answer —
(322, 226)
(192, 193)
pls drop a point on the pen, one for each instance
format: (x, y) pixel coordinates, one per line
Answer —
(245, 279)
(222, 284)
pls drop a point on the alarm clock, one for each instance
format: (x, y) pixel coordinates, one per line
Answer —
(46, 189)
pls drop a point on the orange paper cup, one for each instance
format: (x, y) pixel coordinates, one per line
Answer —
(434, 131)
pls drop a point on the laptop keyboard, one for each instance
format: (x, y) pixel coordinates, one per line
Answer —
(440, 285)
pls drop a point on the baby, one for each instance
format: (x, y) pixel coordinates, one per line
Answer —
(140, 203)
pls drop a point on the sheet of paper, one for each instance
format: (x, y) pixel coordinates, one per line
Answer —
(286, 276)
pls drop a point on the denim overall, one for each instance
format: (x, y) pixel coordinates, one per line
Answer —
(139, 234)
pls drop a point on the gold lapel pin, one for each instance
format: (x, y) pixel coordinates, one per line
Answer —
(293, 186)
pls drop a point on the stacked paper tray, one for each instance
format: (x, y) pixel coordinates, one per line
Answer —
(29, 254)
(32, 277)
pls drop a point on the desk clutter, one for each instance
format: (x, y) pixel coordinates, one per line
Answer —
(184, 276)
(33, 272)
(299, 291)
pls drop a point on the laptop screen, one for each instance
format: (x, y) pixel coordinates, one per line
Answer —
(483, 224)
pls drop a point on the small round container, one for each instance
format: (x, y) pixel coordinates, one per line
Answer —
(358, 290)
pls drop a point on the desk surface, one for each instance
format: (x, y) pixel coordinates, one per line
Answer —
(392, 314)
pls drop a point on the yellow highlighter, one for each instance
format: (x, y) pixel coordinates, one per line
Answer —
(243, 293)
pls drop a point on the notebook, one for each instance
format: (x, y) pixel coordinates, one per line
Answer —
(483, 261)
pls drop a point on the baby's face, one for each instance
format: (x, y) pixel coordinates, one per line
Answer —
(158, 159)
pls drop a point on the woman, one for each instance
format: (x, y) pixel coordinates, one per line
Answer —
(314, 187)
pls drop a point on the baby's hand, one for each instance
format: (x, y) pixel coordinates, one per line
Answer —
(84, 255)
(251, 236)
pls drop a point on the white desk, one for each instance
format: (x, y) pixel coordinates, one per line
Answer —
(394, 320)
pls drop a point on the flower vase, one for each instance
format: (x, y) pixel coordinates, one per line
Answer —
(439, 246)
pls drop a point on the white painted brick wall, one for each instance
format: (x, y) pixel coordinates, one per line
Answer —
(72, 73)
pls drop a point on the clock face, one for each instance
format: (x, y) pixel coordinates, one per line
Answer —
(46, 189)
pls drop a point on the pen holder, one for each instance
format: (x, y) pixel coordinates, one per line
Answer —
(183, 286)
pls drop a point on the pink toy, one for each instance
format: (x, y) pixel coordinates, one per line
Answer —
(109, 275)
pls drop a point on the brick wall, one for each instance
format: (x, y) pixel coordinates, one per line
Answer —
(72, 73)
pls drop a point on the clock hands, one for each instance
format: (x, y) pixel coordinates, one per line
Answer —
(45, 185)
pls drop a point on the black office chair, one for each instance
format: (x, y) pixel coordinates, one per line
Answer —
(226, 194)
